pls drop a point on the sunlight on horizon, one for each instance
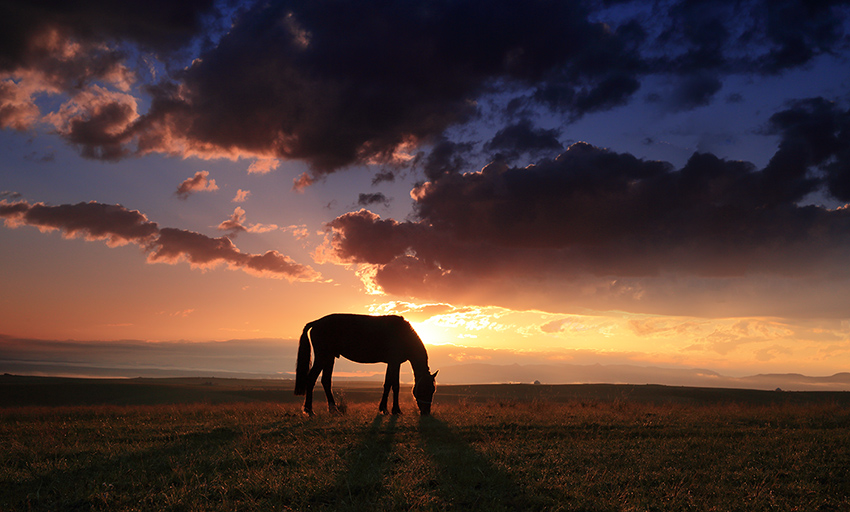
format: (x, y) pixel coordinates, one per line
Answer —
(667, 341)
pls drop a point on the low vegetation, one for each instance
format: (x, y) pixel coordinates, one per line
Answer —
(478, 452)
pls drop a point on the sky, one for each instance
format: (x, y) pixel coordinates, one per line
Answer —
(662, 184)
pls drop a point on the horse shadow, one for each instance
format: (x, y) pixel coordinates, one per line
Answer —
(465, 479)
(460, 477)
(361, 485)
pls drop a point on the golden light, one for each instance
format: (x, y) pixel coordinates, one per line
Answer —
(431, 333)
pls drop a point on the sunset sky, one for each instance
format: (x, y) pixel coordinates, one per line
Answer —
(619, 182)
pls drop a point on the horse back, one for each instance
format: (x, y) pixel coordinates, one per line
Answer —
(364, 338)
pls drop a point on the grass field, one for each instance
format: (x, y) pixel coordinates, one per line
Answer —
(214, 444)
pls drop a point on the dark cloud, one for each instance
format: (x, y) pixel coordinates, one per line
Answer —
(815, 133)
(383, 176)
(175, 245)
(777, 35)
(593, 212)
(687, 93)
(299, 80)
(799, 31)
(695, 91)
(522, 138)
(372, 198)
(445, 157)
(93, 221)
(353, 231)
(334, 93)
(156, 25)
(100, 132)
(117, 225)
(602, 94)
(76, 47)
(701, 33)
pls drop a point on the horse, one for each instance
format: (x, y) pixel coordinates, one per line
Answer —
(363, 339)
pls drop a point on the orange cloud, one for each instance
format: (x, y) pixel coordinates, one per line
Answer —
(17, 109)
(302, 182)
(241, 196)
(263, 166)
(200, 182)
(300, 232)
(236, 224)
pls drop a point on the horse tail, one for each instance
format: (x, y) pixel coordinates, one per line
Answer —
(302, 367)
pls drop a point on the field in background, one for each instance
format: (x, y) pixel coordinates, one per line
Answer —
(219, 444)
(58, 391)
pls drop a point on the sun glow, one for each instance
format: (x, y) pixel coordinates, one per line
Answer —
(432, 333)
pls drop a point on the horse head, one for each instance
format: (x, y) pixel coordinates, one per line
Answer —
(423, 392)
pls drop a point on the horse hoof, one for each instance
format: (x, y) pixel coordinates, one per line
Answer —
(396, 412)
(306, 412)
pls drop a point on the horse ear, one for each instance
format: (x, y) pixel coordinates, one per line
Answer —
(434, 375)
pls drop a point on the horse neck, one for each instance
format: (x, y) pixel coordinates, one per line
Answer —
(419, 363)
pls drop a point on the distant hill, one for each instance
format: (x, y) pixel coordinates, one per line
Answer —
(483, 373)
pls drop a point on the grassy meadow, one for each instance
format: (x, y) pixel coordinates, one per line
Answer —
(215, 444)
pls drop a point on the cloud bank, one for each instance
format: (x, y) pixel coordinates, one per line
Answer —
(298, 80)
(116, 225)
(611, 229)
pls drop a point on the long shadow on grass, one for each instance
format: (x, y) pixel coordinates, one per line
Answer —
(361, 485)
(465, 479)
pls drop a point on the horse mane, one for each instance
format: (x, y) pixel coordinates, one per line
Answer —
(420, 361)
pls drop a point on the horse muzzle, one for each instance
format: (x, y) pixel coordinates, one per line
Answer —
(424, 408)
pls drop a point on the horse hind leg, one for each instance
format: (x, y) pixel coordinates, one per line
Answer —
(391, 383)
(327, 373)
(311, 383)
(387, 386)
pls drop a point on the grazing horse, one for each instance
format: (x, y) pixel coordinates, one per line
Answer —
(363, 339)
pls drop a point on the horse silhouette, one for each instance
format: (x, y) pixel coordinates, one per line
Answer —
(363, 339)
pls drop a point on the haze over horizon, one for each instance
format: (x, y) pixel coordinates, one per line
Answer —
(275, 359)
(657, 184)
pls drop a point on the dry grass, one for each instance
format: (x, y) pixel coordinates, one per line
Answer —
(493, 455)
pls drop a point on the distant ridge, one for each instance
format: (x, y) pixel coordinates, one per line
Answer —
(483, 373)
